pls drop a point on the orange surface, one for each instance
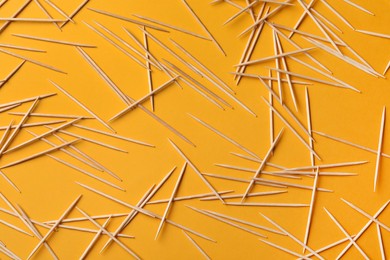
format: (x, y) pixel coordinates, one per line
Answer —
(48, 188)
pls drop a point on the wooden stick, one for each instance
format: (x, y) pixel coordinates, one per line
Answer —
(10, 107)
(311, 209)
(54, 6)
(292, 237)
(112, 135)
(143, 99)
(148, 71)
(203, 26)
(269, 78)
(5, 134)
(359, 7)
(127, 19)
(361, 232)
(17, 129)
(145, 212)
(82, 106)
(22, 7)
(38, 20)
(26, 100)
(262, 204)
(331, 165)
(87, 230)
(128, 250)
(174, 192)
(95, 238)
(53, 40)
(380, 240)
(292, 185)
(246, 8)
(338, 14)
(380, 145)
(346, 234)
(330, 246)
(14, 228)
(366, 214)
(291, 128)
(280, 87)
(3, 2)
(32, 61)
(244, 222)
(10, 182)
(114, 43)
(387, 68)
(75, 12)
(197, 196)
(12, 73)
(197, 246)
(275, 57)
(205, 181)
(312, 2)
(254, 194)
(8, 252)
(284, 249)
(227, 222)
(309, 126)
(319, 15)
(67, 211)
(11, 46)
(40, 136)
(171, 26)
(243, 180)
(36, 231)
(104, 216)
(261, 167)
(51, 115)
(103, 75)
(46, 12)
(364, 148)
(223, 136)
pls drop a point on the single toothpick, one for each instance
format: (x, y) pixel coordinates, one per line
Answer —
(82, 106)
(338, 14)
(387, 68)
(7, 78)
(346, 234)
(203, 26)
(21, 101)
(37, 20)
(10, 182)
(171, 27)
(224, 136)
(73, 14)
(21, 8)
(15, 228)
(359, 7)
(261, 167)
(200, 175)
(53, 40)
(299, 186)
(51, 115)
(33, 125)
(148, 71)
(284, 249)
(46, 12)
(380, 240)
(380, 144)
(16, 47)
(292, 237)
(67, 211)
(254, 194)
(189, 197)
(171, 199)
(197, 246)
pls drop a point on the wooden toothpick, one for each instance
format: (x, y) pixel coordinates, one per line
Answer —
(380, 144)
(53, 40)
(197, 246)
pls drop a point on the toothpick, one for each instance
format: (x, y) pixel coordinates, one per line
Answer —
(78, 219)
(291, 236)
(75, 12)
(67, 211)
(143, 99)
(10, 107)
(329, 246)
(312, 2)
(82, 106)
(197, 246)
(38, 154)
(366, 214)
(174, 192)
(227, 222)
(53, 40)
(128, 250)
(338, 14)
(350, 143)
(3, 2)
(145, 212)
(40, 136)
(269, 78)
(271, 112)
(14, 228)
(380, 240)
(346, 234)
(37, 20)
(253, 170)
(248, 7)
(197, 196)
(387, 68)
(10, 182)
(12, 73)
(5, 45)
(361, 232)
(243, 180)
(171, 27)
(26, 100)
(8, 252)
(36, 232)
(258, 171)
(203, 26)
(33, 125)
(148, 71)
(291, 128)
(17, 129)
(59, 10)
(51, 115)
(5, 134)
(283, 249)
(359, 7)
(32, 61)
(46, 12)
(90, 140)
(254, 194)
(95, 238)
(276, 51)
(331, 165)
(275, 56)
(292, 185)
(127, 19)
(22, 7)
(223, 136)
(112, 135)
(244, 222)
(117, 46)
(205, 181)
(87, 230)
(380, 144)
(382, 35)
(327, 21)
(311, 209)
(15, 214)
